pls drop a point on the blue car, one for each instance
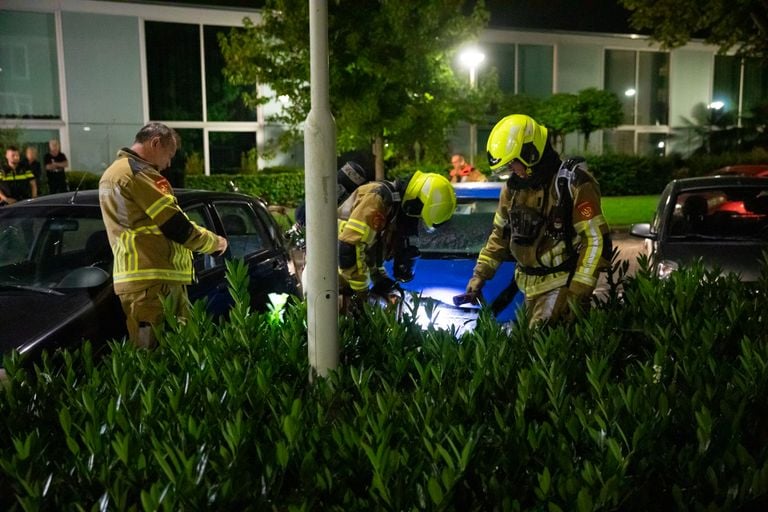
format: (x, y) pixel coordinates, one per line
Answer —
(448, 256)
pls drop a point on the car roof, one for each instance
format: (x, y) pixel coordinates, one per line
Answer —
(91, 197)
(760, 170)
(718, 181)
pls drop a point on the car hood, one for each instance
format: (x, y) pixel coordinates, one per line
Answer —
(740, 257)
(440, 277)
(31, 315)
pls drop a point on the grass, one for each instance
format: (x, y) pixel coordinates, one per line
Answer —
(622, 211)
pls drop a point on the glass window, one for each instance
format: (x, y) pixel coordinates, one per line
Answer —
(188, 158)
(755, 85)
(619, 141)
(502, 57)
(173, 68)
(232, 152)
(653, 88)
(641, 81)
(726, 81)
(225, 101)
(29, 81)
(651, 144)
(242, 229)
(620, 80)
(202, 262)
(535, 70)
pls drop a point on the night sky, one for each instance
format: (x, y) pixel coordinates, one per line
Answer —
(572, 15)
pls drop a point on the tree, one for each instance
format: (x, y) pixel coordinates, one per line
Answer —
(560, 114)
(597, 110)
(391, 79)
(739, 24)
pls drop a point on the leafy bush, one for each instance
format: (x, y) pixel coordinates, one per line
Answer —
(652, 400)
(82, 180)
(284, 188)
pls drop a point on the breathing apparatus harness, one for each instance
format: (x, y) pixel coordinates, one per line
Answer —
(526, 223)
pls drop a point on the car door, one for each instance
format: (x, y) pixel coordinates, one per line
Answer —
(210, 271)
(255, 240)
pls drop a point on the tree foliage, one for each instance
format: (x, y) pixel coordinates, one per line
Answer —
(730, 24)
(585, 112)
(597, 110)
(392, 77)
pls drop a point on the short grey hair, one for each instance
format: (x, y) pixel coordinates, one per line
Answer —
(151, 130)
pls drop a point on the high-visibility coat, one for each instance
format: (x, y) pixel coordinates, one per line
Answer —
(151, 237)
(547, 251)
(366, 227)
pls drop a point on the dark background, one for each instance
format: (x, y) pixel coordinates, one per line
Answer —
(571, 15)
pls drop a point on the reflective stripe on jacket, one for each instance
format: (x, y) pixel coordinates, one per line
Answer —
(365, 222)
(548, 251)
(135, 201)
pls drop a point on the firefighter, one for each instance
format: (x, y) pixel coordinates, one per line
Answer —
(152, 239)
(548, 220)
(375, 224)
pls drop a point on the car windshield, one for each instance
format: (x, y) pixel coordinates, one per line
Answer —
(731, 213)
(463, 234)
(40, 246)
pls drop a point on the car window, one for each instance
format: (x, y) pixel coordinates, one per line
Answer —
(735, 212)
(38, 247)
(199, 215)
(244, 233)
(465, 232)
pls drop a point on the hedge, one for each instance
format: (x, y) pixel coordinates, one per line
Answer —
(653, 400)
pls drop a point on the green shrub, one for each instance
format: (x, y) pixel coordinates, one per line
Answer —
(653, 400)
(82, 180)
(283, 188)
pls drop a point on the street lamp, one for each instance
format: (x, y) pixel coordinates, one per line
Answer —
(471, 58)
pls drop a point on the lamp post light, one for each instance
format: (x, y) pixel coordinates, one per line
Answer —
(471, 58)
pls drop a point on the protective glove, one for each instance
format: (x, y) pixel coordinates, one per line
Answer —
(473, 294)
(470, 297)
(384, 286)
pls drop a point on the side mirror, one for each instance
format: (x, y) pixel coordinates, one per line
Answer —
(642, 230)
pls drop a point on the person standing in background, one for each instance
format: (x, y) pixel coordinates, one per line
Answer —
(32, 163)
(463, 171)
(17, 183)
(55, 165)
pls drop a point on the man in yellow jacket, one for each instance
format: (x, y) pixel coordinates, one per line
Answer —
(549, 220)
(375, 222)
(152, 239)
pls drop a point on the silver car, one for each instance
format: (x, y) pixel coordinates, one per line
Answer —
(721, 220)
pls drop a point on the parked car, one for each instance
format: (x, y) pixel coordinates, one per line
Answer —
(56, 265)
(756, 170)
(723, 220)
(448, 255)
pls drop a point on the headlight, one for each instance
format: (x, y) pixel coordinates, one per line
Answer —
(665, 268)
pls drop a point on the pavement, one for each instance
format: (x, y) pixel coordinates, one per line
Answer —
(630, 248)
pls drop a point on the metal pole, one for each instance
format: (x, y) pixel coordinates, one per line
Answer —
(322, 280)
(472, 126)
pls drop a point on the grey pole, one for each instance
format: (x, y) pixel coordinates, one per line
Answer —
(322, 280)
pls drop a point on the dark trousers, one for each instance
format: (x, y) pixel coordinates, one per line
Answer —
(57, 182)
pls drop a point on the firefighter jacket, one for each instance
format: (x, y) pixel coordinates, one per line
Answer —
(543, 260)
(366, 223)
(151, 237)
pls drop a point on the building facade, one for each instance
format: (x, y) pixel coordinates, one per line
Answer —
(91, 73)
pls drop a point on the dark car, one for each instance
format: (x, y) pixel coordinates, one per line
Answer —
(56, 265)
(448, 256)
(756, 170)
(722, 220)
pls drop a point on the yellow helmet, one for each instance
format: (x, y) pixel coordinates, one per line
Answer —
(516, 137)
(430, 196)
